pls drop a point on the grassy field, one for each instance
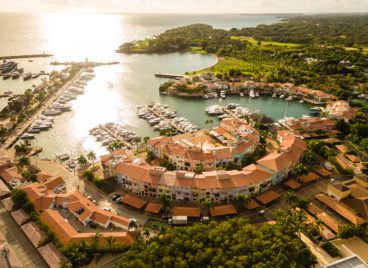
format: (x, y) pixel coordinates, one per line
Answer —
(225, 64)
(198, 50)
(264, 43)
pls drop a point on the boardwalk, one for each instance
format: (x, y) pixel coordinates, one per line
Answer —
(25, 125)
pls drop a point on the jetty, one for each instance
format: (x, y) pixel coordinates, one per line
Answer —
(21, 129)
(26, 56)
(166, 75)
(117, 137)
(170, 122)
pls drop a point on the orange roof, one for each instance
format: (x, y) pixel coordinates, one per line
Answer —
(252, 204)
(33, 232)
(133, 201)
(311, 176)
(51, 255)
(186, 211)
(329, 221)
(19, 216)
(153, 207)
(43, 176)
(322, 171)
(11, 174)
(61, 227)
(224, 210)
(53, 183)
(4, 190)
(342, 148)
(101, 216)
(353, 158)
(120, 220)
(268, 197)
(340, 209)
(293, 184)
(313, 209)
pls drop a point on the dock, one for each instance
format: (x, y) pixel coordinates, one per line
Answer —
(26, 56)
(229, 112)
(21, 129)
(172, 124)
(113, 134)
(166, 75)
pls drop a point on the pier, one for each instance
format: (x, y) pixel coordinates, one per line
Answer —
(26, 56)
(25, 125)
(166, 75)
(172, 124)
(115, 136)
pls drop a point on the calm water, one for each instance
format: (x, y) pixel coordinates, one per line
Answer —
(117, 90)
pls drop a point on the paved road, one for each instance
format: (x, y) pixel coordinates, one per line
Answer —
(27, 255)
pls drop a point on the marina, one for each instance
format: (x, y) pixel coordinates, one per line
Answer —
(162, 119)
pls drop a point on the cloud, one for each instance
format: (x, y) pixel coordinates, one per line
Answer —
(186, 6)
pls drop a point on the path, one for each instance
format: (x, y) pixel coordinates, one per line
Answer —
(27, 255)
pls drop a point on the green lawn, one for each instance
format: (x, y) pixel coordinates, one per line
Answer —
(265, 43)
(247, 67)
(199, 50)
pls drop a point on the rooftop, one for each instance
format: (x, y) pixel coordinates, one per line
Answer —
(186, 211)
(268, 197)
(223, 210)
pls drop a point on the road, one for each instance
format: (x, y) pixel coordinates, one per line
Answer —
(27, 255)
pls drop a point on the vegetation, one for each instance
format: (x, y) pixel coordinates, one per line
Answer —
(331, 249)
(232, 243)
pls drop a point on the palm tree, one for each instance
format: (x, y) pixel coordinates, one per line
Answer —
(165, 201)
(291, 199)
(206, 206)
(110, 241)
(82, 160)
(239, 200)
(24, 161)
(91, 156)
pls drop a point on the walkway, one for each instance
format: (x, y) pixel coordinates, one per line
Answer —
(18, 242)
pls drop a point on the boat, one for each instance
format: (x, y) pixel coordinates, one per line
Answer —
(222, 94)
(33, 130)
(63, 157)
(15, 75)
(27, 76)
(290, 98)
(274, 95)
(241, 94)
(27, 136)
(8, 93)
(52, 112)
(7, 67)
(315, 108)
(251, 94)
(6, 76)
(301, 101)
(282, 96)
(257, 94)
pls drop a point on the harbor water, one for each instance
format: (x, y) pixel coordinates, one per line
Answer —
(116, 91)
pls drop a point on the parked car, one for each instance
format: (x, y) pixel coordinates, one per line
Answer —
(115, 196)
(106, 208)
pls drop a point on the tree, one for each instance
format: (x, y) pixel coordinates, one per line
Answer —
(350, 230)
(239, 201)
(165, 201)
(309, 157)
(88, 175)
(110, 241)
(91, 156)
(96, 239)
(22, 149)
(299, 169)
(206, 205)
(24, 162)
(82, 160)
(291, 199)
(231, 243)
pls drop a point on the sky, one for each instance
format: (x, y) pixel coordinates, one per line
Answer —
(185, 6)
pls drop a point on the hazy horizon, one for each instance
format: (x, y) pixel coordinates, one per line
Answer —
(185, 7)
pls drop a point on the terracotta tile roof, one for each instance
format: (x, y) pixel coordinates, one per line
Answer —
(101, 216)
(120, 220)
(342, 148)
(353, 158)
(322, 171)
(293, 184)
(53, 183)
(153, 207)
(311, 176)
(329, 221)
(186, 211)
(19, 216)
(51, 255)
(4, 190)
(133, 201)
(61, 227)
(11, 174)
(340, 209)
(223, 210)
(33, 232)
(313, 209)
(274, 161)
(252, 204)
(43, 176)
(268, 197)
(8, 203)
